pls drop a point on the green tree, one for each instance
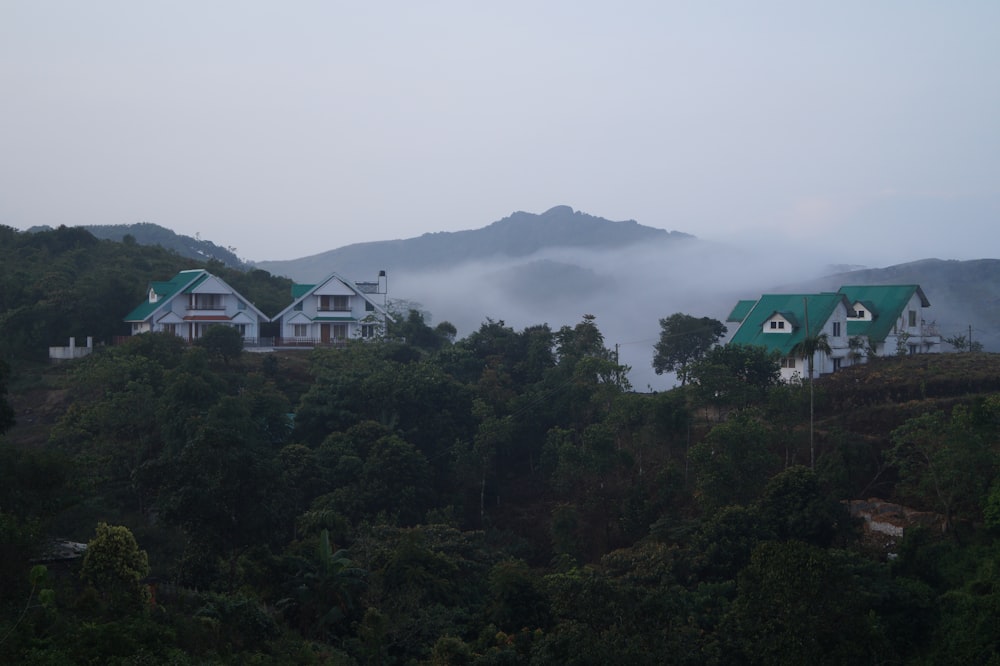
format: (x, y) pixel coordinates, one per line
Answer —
(115, 566)
(722, 545)
(734, 376)
(517, 598)
(799, 604)
(376, 475)
(324, 589)
(413, 329)
(683, 340)
(220, 487)
(6, 411)
(732, 464)
(948, 463)
(224, 342)
(968, 632)
(794, 507)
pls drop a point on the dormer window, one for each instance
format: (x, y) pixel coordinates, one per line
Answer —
(777, 325)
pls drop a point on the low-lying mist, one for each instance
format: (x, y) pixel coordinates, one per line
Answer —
(627, 290)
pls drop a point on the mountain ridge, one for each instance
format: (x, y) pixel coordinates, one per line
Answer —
(518, 235)
(148, 233)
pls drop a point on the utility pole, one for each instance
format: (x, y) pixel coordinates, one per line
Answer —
(812, 353)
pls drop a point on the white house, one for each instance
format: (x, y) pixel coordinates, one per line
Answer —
(779, 322)
(891, 319)
(858, 321)
(333, 311)
(190, 302)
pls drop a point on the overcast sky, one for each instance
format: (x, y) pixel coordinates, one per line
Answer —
(285, 129)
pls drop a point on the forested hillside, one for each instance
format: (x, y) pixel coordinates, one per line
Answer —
(65, 282)
(499, 499)
(147, 233)
(502, 498)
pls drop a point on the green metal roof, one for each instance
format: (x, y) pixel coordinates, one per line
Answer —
(164, 290)
(191, 287)
(300, 290)
(741, 311)
(793, 308)
(886, 302)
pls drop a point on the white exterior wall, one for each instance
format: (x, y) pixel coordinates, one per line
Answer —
(183, 305)
(788, 374)
(354, 316)
(822, 363)
(839, 348)
(921, 339)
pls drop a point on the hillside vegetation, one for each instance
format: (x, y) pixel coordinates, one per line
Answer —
(65, 282)
(502, 498)
(147, 233)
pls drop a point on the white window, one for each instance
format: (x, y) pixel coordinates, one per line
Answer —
(241, 329)
(836, 329)
(206, 302)
(777, 325)
(334, 303)
(912, 318)
(788, 362)
(368, 330)
(300, 330)
(170, 328)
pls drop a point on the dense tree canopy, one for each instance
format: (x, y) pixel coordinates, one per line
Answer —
(504, 498)
(683, 340)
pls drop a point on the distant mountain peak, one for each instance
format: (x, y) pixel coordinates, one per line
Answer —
(520, 234)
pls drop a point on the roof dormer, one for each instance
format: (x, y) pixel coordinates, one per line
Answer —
(863, 311)
(780, 322)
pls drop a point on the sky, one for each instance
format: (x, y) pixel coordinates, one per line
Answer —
(864, 129)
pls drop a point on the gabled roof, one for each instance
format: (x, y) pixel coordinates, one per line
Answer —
(185, 282)
(741, 311)
(886, 303)
(302, 291)
(165, 291)
(793, 308)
